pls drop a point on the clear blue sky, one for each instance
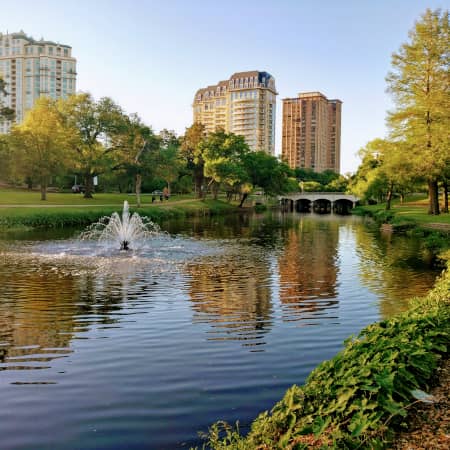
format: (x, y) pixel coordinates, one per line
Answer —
(151, 56)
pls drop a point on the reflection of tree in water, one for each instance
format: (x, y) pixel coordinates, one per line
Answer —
(264, 230)
(308, 269)
(233, 295)
(391, 266)
(42, 309)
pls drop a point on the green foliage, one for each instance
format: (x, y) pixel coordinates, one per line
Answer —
(260, 208)
(223, 155)
(269, 174)
(418, 83)
(93, 125)
(355, 399)
(5, 112)
(435, 242)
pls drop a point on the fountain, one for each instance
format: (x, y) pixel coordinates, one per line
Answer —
(126, 232)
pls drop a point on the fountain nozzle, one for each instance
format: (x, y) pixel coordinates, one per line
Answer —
(124, 245)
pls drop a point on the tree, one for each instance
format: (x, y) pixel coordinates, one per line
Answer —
(6, 113)
(385, 169)
(41, 144)
(419, 84)
(368, 183)
(134, 146)
(268, 173)
(94, 126)
(223, 155)
(169, 162)
(191, 151)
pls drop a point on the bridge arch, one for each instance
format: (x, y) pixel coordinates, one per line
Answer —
(320, 202)
(303, 205)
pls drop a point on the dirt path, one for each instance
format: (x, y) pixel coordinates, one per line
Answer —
(429, 425)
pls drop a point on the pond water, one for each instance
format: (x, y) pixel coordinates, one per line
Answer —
(213, 319)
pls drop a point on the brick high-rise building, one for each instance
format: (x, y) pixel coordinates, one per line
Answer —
(32, 69)
(312, 132)
(244, 104)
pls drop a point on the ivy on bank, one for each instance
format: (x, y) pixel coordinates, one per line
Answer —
(358, 398)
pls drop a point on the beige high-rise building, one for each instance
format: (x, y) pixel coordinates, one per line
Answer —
(32, 69)
(312, 132)
(245, 104)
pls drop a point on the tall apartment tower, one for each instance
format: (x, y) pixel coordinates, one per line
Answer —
(245, 104)
(32, 69)
(312, 132)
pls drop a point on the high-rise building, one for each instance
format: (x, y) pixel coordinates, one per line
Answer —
(32, 69)
(245, 104)
(312, 132)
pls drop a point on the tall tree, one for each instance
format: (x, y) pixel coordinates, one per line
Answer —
(41, 144)
(94, 125)
(268, 173)
(135, 146)
(419, 84)
(191, 151)
(223, 155)
(169, 161)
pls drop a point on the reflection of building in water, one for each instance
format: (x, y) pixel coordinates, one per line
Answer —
(234, 297)
(308, 269)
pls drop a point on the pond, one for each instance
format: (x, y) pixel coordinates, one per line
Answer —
(213, 319)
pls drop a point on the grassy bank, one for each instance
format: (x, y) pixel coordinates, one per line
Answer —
(358, 398)
(412, 213)
(69, 215)
(413, 219)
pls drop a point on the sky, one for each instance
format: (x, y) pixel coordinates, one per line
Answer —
(151, 56)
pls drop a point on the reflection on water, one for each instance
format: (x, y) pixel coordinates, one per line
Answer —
(233, 294)
(144, 349)
(308, 270)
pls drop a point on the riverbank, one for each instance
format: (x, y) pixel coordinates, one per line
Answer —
(362, 396)
(61, 215)
(412, 219)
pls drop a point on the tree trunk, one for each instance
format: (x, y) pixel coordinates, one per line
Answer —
(445, 195)
(88, 186)
(138, 184)
(43, 190)
(389, 196)
(244, 197)
(215, 190)
(402, 197)
(433, 207)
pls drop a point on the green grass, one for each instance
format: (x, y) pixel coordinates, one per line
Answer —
(21, 209)
(25, 197)
(60, 214)
(408, 211)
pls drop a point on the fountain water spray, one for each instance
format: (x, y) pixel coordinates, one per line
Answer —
(128, 231)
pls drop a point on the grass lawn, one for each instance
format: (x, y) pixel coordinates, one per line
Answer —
(414, 208)
(25, 197)
(20, 208)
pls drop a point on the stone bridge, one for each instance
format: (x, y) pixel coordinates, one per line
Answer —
(319, 202)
